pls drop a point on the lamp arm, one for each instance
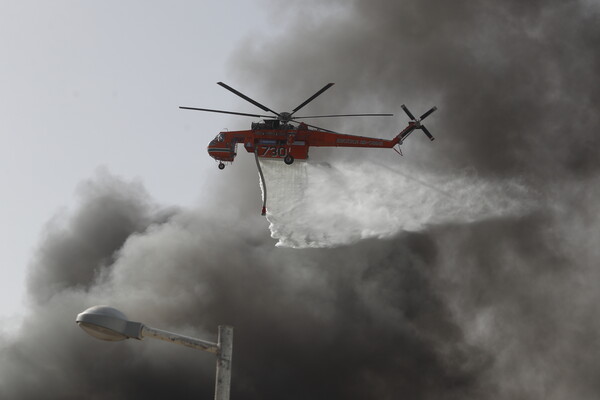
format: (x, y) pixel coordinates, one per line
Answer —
(187, 341)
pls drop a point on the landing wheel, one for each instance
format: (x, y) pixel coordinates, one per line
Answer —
(288, 159)
(221, 166)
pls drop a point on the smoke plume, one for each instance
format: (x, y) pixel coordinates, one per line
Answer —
(502, 305)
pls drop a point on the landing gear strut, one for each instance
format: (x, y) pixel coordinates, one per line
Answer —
(221, 165)
(288, 159)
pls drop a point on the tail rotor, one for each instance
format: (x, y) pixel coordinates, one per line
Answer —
(417, 122)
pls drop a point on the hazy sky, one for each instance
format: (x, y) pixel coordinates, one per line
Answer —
(467, 269)
(88, 85)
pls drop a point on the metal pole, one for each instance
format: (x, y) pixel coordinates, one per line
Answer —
(223, 379)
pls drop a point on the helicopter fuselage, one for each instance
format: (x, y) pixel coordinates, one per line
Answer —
(287, 140)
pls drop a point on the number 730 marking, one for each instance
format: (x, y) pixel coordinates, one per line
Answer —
(273, 151)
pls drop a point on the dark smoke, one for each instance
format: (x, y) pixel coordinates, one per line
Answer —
(496, 309)
(503, 308)
(515, 82)
(352, 322)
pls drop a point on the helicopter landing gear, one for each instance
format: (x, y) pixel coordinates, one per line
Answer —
(221, 165)
(288, 159)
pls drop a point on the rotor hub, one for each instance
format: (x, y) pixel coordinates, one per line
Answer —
(285, 117)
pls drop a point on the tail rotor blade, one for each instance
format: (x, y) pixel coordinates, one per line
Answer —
(428, 113)
(412, 117)
(426, 132)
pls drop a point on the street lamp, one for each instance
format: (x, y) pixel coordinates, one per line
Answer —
(107, 323)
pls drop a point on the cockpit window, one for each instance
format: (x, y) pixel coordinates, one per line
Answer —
(220, 137)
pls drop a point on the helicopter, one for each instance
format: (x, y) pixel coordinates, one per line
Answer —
(282, 136)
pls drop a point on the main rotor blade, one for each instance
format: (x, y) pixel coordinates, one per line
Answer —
(226, 112)
(243, 96)
(345, 115)
(311, 98)
(408, 112)
(428, 112)
(319, 128)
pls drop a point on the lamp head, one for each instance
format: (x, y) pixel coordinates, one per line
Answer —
(107, 323)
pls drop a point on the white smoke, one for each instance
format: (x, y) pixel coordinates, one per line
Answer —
(324, 205)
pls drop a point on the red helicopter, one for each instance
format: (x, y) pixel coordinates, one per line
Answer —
(276, 137)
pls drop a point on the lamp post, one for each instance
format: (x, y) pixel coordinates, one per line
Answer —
(107, 323)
